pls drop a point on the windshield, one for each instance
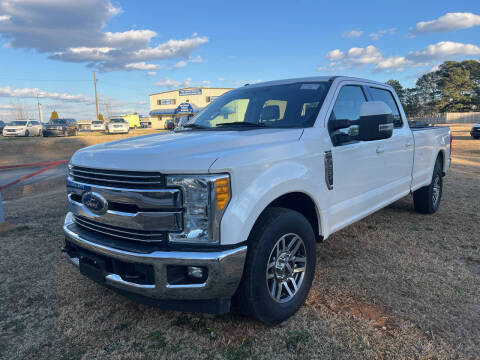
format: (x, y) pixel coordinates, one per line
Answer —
(58, 122)
(280, 106)
(97, 123)
(117, 121)
(18, 123)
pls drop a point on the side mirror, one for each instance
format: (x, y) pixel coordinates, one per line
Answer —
(376, 121)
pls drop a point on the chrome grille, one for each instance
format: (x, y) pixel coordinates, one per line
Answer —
(119, 232)
(117, 178)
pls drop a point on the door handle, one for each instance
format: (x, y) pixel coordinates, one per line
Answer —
(408, 144)
(380, 150)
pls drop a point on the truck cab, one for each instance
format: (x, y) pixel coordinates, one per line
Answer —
(229, 207)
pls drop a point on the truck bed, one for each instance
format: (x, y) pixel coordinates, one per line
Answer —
(429, 141)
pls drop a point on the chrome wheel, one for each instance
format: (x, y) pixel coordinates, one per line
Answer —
(286, 268)
(436, 191)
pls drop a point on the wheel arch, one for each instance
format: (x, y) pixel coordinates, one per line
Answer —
(302, 203)
(441, 155)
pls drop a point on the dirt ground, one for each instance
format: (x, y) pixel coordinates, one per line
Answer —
(21, 150)
(394, 285)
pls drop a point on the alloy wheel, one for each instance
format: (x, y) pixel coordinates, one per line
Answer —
(286, 268)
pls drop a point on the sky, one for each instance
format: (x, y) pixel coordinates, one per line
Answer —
(50, 48)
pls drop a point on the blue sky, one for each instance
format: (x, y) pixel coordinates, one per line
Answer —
(51, 47)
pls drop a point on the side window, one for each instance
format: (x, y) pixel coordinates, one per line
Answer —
(233, 111)
(347, 107)
(387, 97)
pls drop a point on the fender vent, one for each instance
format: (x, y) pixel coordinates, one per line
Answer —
(328, 169)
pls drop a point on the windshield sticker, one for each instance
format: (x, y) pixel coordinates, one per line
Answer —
(309, 86)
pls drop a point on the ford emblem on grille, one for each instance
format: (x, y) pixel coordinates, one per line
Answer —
(94, 202)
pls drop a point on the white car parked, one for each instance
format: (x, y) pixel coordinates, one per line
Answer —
(97, 125)
(118, 126)
(23, 128)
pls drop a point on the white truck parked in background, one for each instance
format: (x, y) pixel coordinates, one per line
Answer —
(230, 206)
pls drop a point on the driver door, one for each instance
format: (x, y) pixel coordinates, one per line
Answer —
(357, 165)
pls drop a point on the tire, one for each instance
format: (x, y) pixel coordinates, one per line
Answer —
(254, 296)
(426, 200)
(27, 133)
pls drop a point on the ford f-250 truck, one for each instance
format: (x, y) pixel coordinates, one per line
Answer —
(229, 207)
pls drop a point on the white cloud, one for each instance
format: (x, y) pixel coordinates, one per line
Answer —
(206, 82)
(379, 34)
(141, 66)
(335, 55)
(34, 92)
(221, 79)
(196, 59)
(169, 83)
(72, 30)
(151, 73)
(180, 64)
(184, 63)
(130, 39)
(360, 57)
(395, 63)
(444, 50)
(448, 22)
(353, 34)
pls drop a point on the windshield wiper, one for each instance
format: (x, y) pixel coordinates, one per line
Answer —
(242, 124)
(195, 126)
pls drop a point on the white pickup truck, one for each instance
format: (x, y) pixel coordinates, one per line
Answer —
(229, 207)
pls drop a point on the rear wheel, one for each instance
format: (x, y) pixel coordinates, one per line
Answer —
(279, 268)
(426, 200)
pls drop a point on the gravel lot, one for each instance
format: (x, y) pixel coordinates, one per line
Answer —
(395, 285)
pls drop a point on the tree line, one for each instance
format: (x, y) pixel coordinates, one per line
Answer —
(453, 87)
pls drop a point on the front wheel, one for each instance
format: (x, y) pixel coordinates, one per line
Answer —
(279, 268)
(426, 200)
(27, 133)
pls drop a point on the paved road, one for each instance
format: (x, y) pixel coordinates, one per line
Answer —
(9, 175)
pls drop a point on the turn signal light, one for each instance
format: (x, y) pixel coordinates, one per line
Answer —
(223, 193)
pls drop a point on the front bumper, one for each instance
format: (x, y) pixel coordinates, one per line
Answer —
(475, 132)
(54, 132)
(117, 131)
(225, 270)
(16, 133)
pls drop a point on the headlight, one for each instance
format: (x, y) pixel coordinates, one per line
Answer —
(205, 198)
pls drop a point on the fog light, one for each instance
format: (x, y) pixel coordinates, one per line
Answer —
(195, 272)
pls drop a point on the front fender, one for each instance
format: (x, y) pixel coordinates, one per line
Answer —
(254, 190)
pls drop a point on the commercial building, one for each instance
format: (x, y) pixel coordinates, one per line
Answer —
(168, 105)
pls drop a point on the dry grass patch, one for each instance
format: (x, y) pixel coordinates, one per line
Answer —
(38, 149)
(394, 285)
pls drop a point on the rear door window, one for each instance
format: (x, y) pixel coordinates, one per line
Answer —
(387, 97)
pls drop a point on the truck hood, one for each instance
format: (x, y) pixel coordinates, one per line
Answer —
(178, 152)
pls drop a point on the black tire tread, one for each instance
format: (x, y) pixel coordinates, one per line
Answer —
(244, 299)
(422, 197)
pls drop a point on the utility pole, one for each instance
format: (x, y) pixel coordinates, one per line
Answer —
(96, 99)
(40, 111)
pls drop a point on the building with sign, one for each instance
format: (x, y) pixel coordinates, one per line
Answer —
(168, 105)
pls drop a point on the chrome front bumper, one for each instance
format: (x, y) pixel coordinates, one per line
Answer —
(225, 269)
